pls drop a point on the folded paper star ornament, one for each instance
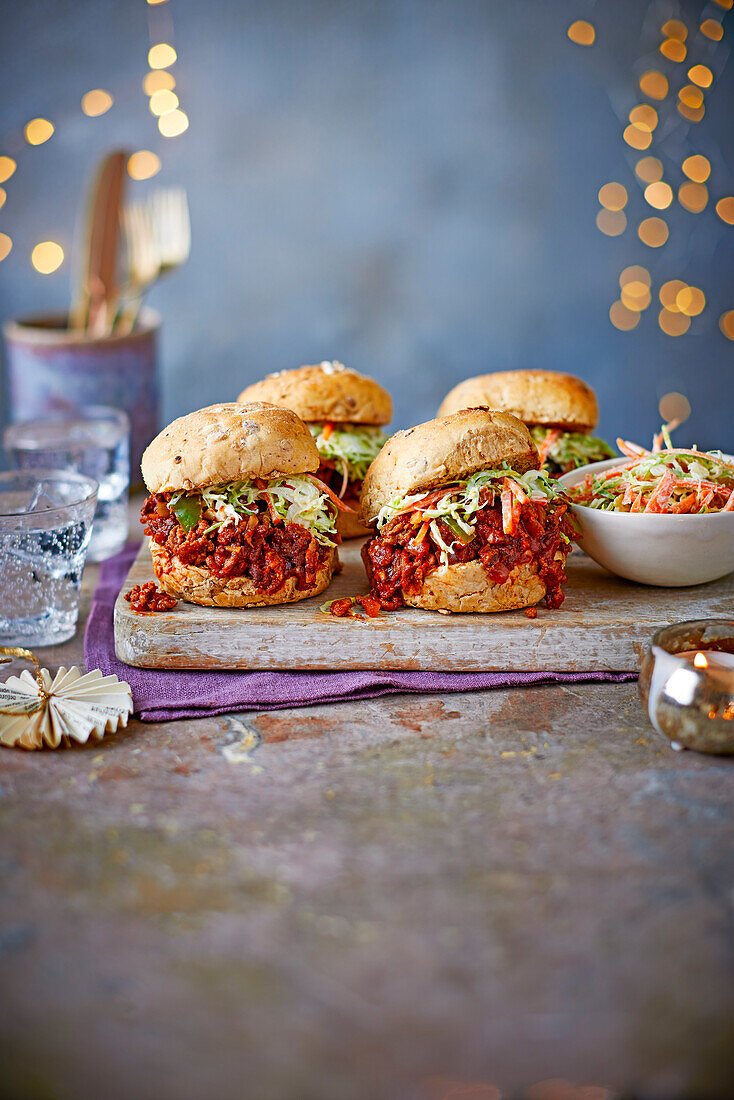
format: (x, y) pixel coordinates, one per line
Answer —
(41, 710)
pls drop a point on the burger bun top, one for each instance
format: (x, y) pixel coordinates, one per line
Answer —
(230, 442)
(448, 449)
(549, 398)
(325, 391)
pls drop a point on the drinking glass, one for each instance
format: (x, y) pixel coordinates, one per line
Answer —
(95, 441)
(45, 526)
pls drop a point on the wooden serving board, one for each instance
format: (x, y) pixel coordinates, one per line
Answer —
(605, 623)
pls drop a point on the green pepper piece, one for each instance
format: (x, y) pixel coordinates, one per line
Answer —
(187, 511)
(463, 536)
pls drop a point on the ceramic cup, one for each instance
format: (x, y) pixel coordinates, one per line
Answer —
(52, 370)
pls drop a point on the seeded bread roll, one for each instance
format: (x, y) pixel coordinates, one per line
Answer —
(545, 397)
(350, 526)
(229, 442)
(467, 588)
(326, 391)
(197, 584)
(448, 449)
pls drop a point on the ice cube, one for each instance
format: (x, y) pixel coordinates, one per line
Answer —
(35, 497)
(47, 498)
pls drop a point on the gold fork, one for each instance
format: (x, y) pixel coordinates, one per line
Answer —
(158, 240)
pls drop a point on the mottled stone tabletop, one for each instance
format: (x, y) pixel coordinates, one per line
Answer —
(424, 897)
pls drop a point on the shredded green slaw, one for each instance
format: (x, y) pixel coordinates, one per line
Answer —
(356, 449)
(573, 449)
(294, 499)
(697, 482)
(462, 500)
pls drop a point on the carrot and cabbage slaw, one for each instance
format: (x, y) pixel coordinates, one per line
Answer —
(667, 480)
(456, 505)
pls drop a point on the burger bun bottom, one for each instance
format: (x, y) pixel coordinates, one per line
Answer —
(198, 585)
(467, 588)
(350, 525)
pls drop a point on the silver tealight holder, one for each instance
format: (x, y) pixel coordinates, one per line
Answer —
(687, 684)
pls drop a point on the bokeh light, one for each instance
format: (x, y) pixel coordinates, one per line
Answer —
(611, 222)
(3, 197)
(47, 257)
(635, 274)
(725, 209)
(725, 4)
(701, 75)
(673, 49)
(613, 196)
(96, 102)
(674, 406)
(668, 294)
(726, 324)
(7, 167)
(158, 80)
(649, 169)
(691, 96)
(173, 123)
(582, 33)
(697, 168)
(644, 117)
(623, 318)
(636, 296)
(654, 84)
(691, 301)
(5, 245)
(653, 232)
(163, 102)
(659, 195)
(636, 138)
(675, 29)
(151, 2)
(693, 114)
(161, 56)
(712, 29)
(673, 324)
(693, 197)
(143, 164)
(38, 130)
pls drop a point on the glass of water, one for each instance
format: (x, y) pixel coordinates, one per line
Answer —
(45, 525)
(95, 441)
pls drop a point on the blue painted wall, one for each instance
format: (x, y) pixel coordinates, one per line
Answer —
(407, 185)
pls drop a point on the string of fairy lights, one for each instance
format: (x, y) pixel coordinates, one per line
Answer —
(159, 84)
(674, 80)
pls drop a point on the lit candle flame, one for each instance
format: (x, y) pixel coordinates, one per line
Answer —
(700, 661)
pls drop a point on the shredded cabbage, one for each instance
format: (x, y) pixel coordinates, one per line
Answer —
(671, 481)
(294, 499)
(356, 449)
(461, 501)
(573, 449)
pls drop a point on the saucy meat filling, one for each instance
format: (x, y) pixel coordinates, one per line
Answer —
(262, 547)
(399, 559)
(331, 473)
(148, 597)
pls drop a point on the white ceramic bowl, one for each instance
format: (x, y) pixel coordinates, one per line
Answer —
(672, 551)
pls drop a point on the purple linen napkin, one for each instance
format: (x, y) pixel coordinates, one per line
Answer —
(160, 696)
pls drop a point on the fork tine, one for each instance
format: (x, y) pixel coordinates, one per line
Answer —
(143, 258)
(170, 212)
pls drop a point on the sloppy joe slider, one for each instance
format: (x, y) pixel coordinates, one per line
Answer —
(345, 412)
(560, 410)
(464, 519)
(236, 516)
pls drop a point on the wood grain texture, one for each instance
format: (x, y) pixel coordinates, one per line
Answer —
(99, 288)
(605, 623)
